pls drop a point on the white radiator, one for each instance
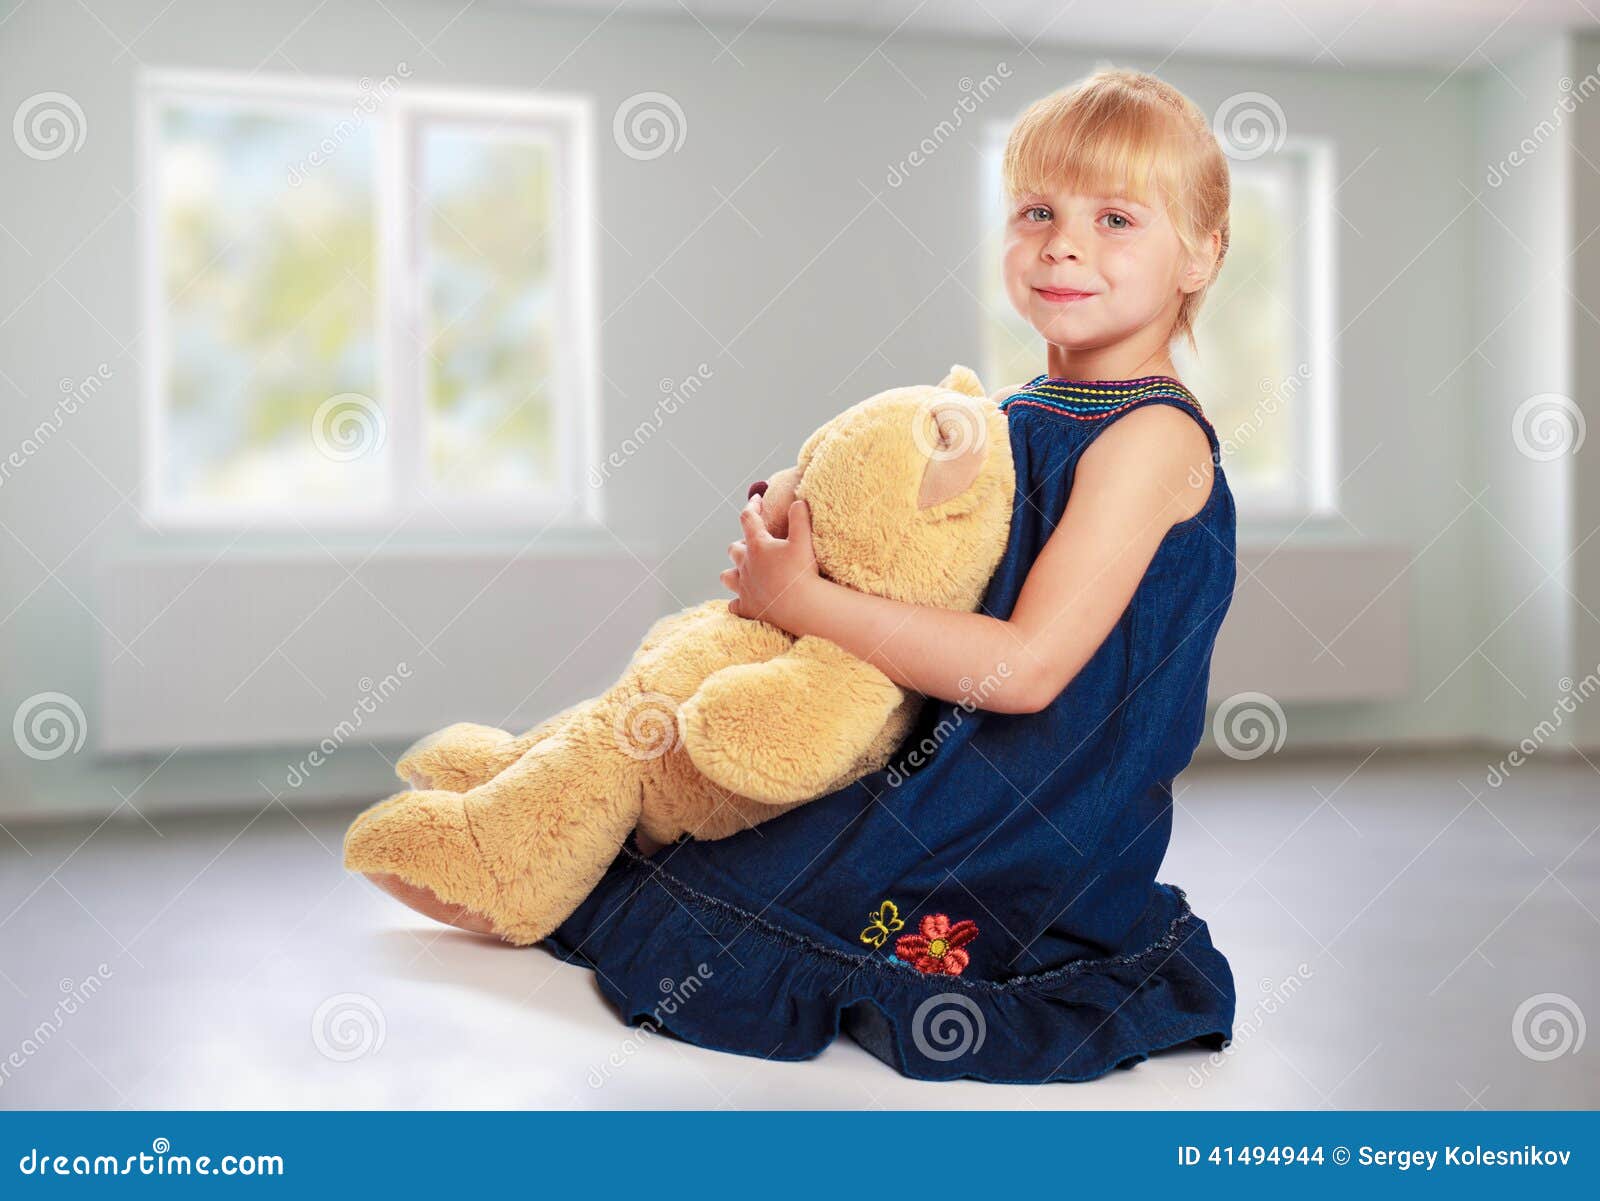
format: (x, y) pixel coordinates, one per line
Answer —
(1318, 623)
(257, 650)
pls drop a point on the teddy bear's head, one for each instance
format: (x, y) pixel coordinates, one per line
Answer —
(910, 493)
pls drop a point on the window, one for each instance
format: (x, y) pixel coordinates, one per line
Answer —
(366, 303)
(1265, 368)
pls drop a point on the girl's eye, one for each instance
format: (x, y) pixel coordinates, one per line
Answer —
(1126, 223)
(1030, 213)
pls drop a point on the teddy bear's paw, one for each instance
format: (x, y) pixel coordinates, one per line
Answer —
(783, 731)
(425, 841)
(457, 758)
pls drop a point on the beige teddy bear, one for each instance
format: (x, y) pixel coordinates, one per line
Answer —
(719, 722)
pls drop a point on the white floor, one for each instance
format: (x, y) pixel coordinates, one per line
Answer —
(242, 967)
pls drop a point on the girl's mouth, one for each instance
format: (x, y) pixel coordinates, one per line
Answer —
(1063, 295)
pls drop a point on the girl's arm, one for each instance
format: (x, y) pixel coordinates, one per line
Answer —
(1148, 471)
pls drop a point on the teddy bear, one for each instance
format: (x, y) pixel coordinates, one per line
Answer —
(719, 722)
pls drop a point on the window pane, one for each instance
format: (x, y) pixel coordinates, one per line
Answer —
(1245, 374)
(488, 207)
(267, 281)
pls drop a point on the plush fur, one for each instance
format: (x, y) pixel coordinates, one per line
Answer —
(719, 722)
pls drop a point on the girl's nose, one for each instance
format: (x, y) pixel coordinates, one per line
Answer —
(759, 488)
(1060, 245)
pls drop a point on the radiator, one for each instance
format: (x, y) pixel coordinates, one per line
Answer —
(1318, 623)
(260, 650)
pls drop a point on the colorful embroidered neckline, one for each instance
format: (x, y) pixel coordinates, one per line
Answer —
(1094, 399)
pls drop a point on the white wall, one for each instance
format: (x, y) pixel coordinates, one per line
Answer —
(1538, 285)
(1584, 603)
(770, 248)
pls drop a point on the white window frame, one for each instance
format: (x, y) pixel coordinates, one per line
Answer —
(567, 122)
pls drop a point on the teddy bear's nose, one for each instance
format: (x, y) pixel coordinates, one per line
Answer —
(759, 488)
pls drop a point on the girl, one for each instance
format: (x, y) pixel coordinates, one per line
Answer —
(986, 905)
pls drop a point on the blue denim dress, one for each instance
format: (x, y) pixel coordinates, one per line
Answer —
(986, 905)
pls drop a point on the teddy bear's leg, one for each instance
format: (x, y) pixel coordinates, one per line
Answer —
(455, 758)
(520, 851)
(464, 755)
(787, 729)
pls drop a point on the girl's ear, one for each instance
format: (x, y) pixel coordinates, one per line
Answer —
(1202, 264)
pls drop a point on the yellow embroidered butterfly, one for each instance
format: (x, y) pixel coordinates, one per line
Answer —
(884, 923)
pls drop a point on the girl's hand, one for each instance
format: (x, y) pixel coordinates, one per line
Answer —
(772, 576)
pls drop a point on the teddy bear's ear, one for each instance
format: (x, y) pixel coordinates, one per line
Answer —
(963, 379)
(956, 456)
(809, 446)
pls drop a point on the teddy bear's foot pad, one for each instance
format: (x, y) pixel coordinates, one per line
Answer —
(425, 902)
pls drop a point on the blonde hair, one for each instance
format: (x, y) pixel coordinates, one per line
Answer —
(1126, 133)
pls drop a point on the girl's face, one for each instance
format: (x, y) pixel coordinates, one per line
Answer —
(1090, 271)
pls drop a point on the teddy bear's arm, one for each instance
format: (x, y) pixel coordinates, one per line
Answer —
(785, 729)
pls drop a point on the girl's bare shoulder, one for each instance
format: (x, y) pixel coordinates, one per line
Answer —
(1156, 449)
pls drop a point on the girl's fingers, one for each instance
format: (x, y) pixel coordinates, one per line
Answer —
(730, 579)
(750, 521)
(737, 551)
(799, 521)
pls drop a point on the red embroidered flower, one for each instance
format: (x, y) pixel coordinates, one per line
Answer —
(937, 946)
